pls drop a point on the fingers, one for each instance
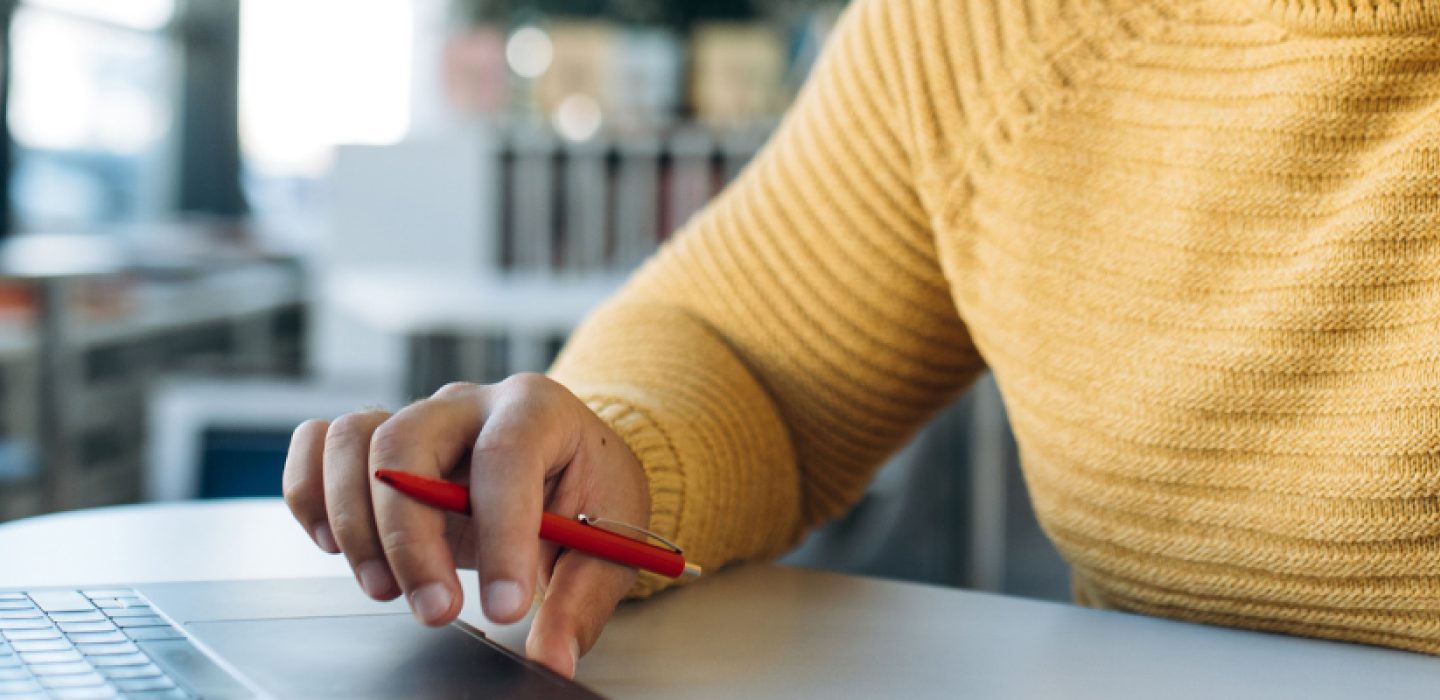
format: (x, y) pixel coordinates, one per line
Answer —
(526, 437)
(583, 593)
(427, 439)
(524, 444)
(348, 501)
(303, 483)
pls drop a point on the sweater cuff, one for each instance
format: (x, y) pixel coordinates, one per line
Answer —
(663, 471)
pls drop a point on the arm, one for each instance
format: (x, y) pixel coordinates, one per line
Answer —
(742, 388)
(798, 330)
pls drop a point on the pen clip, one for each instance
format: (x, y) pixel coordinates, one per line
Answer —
(627, 530)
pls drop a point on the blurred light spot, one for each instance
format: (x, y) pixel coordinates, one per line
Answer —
(529, 52)
(54, 97)
(78, 86)
(140, 14)
(132, 122)
(578, 117)
(320, 73)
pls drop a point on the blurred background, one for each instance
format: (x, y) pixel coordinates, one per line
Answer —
(225, 217)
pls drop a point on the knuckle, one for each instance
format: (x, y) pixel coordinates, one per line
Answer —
(454, 391)
(397, 541)
(527, 383)
(295, 489)
(307, 432)
(348, 430)
(351, 529)
(388, 442)
(493, 452)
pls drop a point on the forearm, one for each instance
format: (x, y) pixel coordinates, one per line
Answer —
(798, 330)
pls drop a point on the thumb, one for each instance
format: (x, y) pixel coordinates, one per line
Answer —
(583, 592)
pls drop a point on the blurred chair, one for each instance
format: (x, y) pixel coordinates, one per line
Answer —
(222, 438)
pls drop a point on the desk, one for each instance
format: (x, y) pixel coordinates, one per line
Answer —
(770, 632)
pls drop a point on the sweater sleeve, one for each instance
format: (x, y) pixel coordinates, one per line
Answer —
(798, 330)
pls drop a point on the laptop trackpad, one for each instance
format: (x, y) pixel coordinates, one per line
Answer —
(374, 656)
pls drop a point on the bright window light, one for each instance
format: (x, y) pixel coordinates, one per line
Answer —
(81, 86)
(140, 14)
(319, 73)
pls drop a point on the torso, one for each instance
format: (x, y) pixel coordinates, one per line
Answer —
(1205, 269)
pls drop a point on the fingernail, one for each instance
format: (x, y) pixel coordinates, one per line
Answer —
(325, 538)
(503, 599)
(574, 656)
(430, 603)
(375, 579)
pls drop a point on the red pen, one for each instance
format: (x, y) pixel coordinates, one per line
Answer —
(583, 534)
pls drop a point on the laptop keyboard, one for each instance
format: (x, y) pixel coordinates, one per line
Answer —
(77, 645)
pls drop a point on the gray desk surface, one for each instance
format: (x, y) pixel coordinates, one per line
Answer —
(770, 632)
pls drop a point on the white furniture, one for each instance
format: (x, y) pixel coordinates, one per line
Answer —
(181, 409)
(771, 632)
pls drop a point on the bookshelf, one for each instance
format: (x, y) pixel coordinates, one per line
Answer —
(471, 256)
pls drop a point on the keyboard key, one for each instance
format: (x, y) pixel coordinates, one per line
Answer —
(9, 661)
(16, 605)
(41, 623)
(132, 601)
(103, 692)
(80, 680)
(26, 614)
(60, 601)
(146, 671)
(17, 687)
(40, 645)
(89, 616)
(148, 621)
(86, 627)
(100, 637)
(14, 674)
(107, 603)
(176, 694)
(138, 684)
(109, 593)
(6, 597)
(138, 611)
(166, 632)
(122, 660)
(106, 649)
(51, 657)
(62, 669)
(193, 669)
(17, 635)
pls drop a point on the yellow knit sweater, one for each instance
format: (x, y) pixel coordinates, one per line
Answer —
(1197, 241)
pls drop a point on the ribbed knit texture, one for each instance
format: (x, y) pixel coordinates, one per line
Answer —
(1197, 241)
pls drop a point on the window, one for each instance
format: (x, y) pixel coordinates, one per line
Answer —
(91, 107)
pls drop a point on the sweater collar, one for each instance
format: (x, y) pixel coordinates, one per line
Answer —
(1352, 17)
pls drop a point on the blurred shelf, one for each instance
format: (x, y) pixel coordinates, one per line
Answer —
(409, 302)
(162, 305)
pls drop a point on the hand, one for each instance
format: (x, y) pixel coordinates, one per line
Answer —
(524, 445)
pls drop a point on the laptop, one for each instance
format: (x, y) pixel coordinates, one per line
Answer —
(233, 640)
